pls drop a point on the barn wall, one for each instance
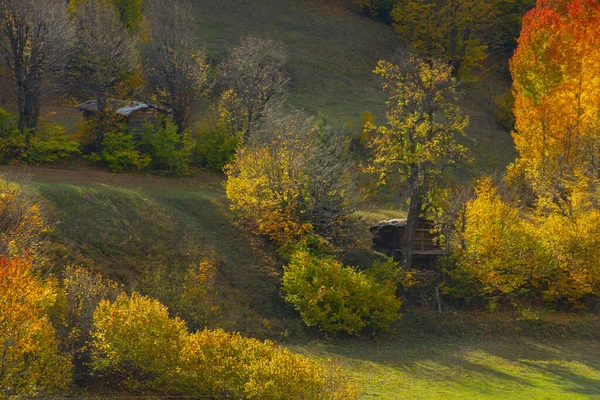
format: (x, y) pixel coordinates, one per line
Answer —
(137, 119)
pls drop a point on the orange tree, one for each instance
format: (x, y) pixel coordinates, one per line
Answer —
(555, 72)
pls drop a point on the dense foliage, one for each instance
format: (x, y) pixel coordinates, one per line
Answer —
(135, 339)
(292, 178)
(30, 362)
(338, 298)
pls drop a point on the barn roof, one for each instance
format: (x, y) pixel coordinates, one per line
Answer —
(121, 107)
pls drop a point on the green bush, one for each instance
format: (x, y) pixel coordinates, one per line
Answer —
(120, 153)
(12, 141)
(338, 298)
(190, 294)
(44, 145)
(214, 149)
(49, 144)
(170, 151)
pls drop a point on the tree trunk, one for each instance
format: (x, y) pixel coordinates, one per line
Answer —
(414, 212)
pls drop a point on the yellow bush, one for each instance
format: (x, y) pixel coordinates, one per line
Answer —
(499, 250)
(267, 189)
(21, 223)
(30, 363)
(135, 339)
(216, 362)
(547, 255)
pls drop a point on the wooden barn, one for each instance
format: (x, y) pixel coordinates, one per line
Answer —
(388, 237)
(136, 114)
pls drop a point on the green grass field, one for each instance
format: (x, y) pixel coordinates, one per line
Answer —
(471, 368)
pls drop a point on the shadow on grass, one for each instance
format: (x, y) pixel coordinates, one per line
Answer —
(476, 367)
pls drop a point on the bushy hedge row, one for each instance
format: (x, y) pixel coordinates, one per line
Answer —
(136, 340)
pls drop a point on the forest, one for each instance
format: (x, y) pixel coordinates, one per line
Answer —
(299, 199)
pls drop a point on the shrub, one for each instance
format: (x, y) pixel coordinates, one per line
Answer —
(214, 149)
(49, 144)
(516, 256)
(119, 153)
(267, 187)
(338, 298)
(135, 340)
(216, 362)
(292, 177)
(44, 145)
(81, 294)
(30, 361)
(190, 295)
(499, 251)
(21, 224)
(12, 141)
(170, 151)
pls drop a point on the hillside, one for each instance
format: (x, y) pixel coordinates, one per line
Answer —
(333, 51)
(123, 225)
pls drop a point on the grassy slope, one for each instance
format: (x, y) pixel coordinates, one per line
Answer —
(120, 224)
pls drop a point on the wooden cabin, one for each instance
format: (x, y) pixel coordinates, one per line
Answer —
(136, 114)
(388, 237)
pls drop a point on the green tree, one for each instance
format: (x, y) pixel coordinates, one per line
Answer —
(455, 31)
(420, 140)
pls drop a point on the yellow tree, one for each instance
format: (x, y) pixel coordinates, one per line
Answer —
(420, 139)
(30, 363)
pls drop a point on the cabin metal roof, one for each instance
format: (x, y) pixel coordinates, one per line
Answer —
(121, 107)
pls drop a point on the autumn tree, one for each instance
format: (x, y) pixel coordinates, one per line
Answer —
(420, 140)
(34, 43)
(255, 71)
(176, 67)
(291, 178)
(557, 107)
(105, 52)
(30, 362)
